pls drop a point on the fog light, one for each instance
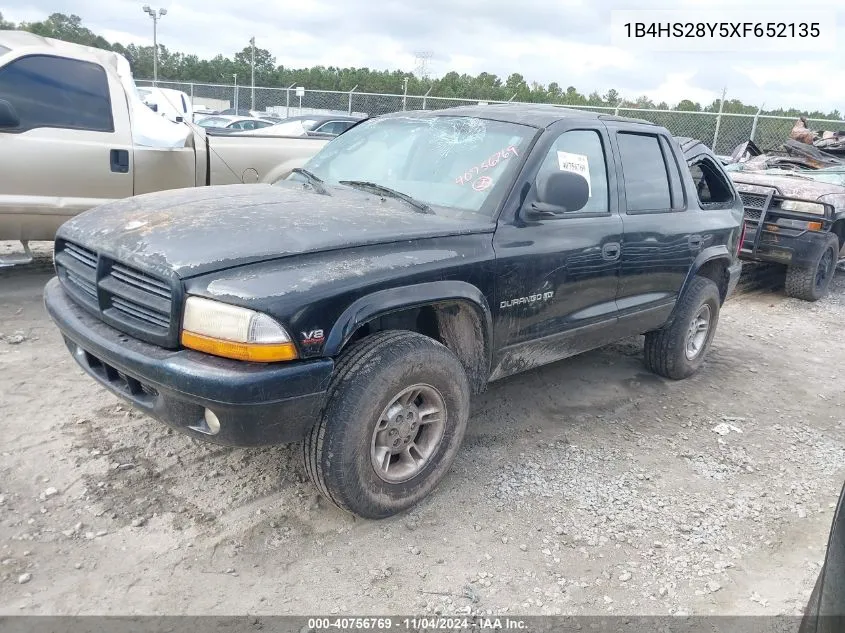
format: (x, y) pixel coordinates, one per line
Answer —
(212, 422)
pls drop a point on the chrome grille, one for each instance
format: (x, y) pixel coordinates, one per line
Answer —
(131, 300)
(753, 200)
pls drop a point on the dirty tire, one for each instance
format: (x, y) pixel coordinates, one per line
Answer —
(811, 283)
(367, 378)
(666, 349)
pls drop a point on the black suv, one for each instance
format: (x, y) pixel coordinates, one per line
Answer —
(357, 305)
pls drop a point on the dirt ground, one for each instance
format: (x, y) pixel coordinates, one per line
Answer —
(587, 487)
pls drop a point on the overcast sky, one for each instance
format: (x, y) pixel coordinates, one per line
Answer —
(568, 41)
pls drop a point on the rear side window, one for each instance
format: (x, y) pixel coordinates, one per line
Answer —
(49, 91)
(712, 188)
(644, 172)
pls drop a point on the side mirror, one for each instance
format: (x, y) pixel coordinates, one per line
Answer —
(8, 117)
(559, 192)
(825, 612)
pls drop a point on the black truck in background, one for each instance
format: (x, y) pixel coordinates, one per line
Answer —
(358, 305)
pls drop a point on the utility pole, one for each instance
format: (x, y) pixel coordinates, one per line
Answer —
(235, 75)
(252, 95)
(156, 16)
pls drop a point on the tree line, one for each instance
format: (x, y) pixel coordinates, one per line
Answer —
(181, 67)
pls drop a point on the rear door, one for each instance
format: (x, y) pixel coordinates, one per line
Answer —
(557, 278)
(70, 151)
(661, 239)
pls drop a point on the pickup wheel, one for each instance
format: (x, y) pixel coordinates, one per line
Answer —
(811, 283)
(395, 415)
(678, 350)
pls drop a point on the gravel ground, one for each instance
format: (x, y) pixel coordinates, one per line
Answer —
(586, 487)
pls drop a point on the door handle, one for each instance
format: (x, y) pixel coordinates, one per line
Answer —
(119, 159)
(694, 242)
(611, 251)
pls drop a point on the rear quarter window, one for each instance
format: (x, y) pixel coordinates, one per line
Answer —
(711, 186)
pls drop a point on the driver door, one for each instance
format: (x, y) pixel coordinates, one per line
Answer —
(557, 278)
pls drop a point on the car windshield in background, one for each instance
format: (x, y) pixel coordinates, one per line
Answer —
(212, 122)
(463, 163)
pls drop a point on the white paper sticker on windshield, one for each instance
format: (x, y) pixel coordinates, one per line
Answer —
(576, 163)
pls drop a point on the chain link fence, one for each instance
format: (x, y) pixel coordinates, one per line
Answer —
(720, 131)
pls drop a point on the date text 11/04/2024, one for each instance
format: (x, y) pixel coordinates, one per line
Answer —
(723, 29)
(415, 623)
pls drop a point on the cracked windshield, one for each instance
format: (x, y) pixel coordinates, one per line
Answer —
(464, 163)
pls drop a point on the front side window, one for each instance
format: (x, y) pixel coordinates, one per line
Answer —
(644, 172)
(581, 151)
(463, 163)
(48, 91)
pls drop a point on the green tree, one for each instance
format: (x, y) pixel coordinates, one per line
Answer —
(68, 28)
(4, 24)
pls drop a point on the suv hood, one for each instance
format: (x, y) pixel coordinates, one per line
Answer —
(786, 186)
(195, 231)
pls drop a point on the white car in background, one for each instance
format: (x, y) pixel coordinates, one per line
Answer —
(313, 125)
(174, 105)
(234, 123)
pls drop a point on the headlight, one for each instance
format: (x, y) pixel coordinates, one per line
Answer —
(800, 225)
(233, 332)
(802, 207)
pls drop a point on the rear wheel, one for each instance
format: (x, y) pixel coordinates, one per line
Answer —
(395, 416)
(677, 350)
(812, 282)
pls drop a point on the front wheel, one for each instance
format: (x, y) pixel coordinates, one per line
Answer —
(678, 350)
(395, 416)
(811, 283)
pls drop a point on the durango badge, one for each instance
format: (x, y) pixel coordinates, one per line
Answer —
(544, 296)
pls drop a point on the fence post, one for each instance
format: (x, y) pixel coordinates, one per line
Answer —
(192, 93)
(616, 111)
(405, 94)
(719, 119)
(425, 95)
(754, 124)
(513, 97)
(349, 110)
(287, 100)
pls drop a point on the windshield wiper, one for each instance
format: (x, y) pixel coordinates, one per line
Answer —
(312, 179)
(421, 207)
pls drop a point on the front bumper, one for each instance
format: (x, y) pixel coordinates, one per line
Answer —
(256, 403)
(792, 250)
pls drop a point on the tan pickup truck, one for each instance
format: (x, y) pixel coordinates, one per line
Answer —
(74, 133)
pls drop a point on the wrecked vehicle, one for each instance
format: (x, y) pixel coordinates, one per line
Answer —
(358, 305)
(74, 133)
(794, 215)
(829, 141)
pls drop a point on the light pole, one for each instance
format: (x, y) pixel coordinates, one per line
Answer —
(156, 17)
(252, 94)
